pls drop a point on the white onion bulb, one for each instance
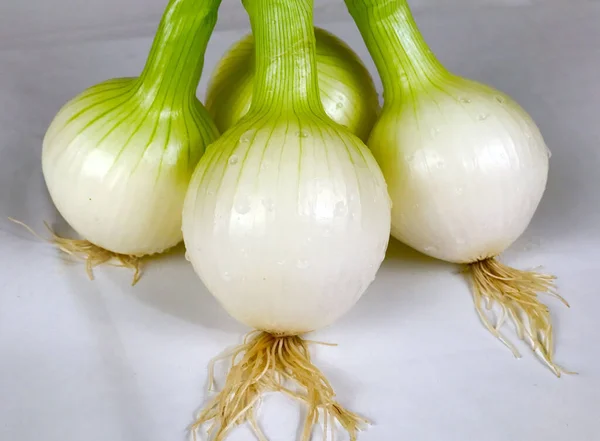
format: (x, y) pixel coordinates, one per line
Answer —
(470, 175)
(287, 222)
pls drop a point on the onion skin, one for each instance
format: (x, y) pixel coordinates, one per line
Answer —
(464, 186)
(466, 166)
(287, 238)
(346, 88)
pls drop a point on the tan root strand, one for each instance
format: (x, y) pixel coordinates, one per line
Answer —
(516, 292)
(93, 255)
(264, 363)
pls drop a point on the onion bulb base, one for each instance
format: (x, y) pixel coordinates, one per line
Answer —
(264, 363)
(515, 291)
(93, 255)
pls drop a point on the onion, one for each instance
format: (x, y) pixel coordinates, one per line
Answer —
(117, 159)
(346, 87)
(466, 168)
(286, 221)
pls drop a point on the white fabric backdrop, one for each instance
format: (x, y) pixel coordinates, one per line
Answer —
(98, 361)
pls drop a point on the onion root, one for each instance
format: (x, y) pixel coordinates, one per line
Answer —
(515, 291)
(263, 363)
(93, 255)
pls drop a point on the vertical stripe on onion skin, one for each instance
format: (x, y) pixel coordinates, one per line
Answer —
(346, 87)
(466, 168)
(117, 159)
(286, 221)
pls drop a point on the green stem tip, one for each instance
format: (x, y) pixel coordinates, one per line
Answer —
(285, 55)
(174, 65)
(401, 55)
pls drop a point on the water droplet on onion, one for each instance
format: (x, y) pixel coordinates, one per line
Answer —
(242, 206)
(302, 264)
(247, 136)
(340, 209)
(268, 204)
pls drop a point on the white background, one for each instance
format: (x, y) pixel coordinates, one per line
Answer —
(102, 361)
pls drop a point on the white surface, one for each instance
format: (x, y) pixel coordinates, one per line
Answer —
(101, 360)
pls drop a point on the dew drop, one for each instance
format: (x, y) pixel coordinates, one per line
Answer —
(226, 276)
(302, 134)
(265, 165)
(500, 99)
(302, 264)
(281, 262)
(549, 153)
(464, 100)
(233, 159)
(242, 206)
(339, 105)
(340, 209)
(268, 204)
(482, 116)
(434, 132)
(187, 256)
(247, 136)
(459, 190)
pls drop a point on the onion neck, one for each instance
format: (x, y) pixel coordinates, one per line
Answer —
(285, 56)
(174, 66)
(403, 58)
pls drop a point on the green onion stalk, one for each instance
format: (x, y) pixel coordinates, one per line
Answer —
(346, 88)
